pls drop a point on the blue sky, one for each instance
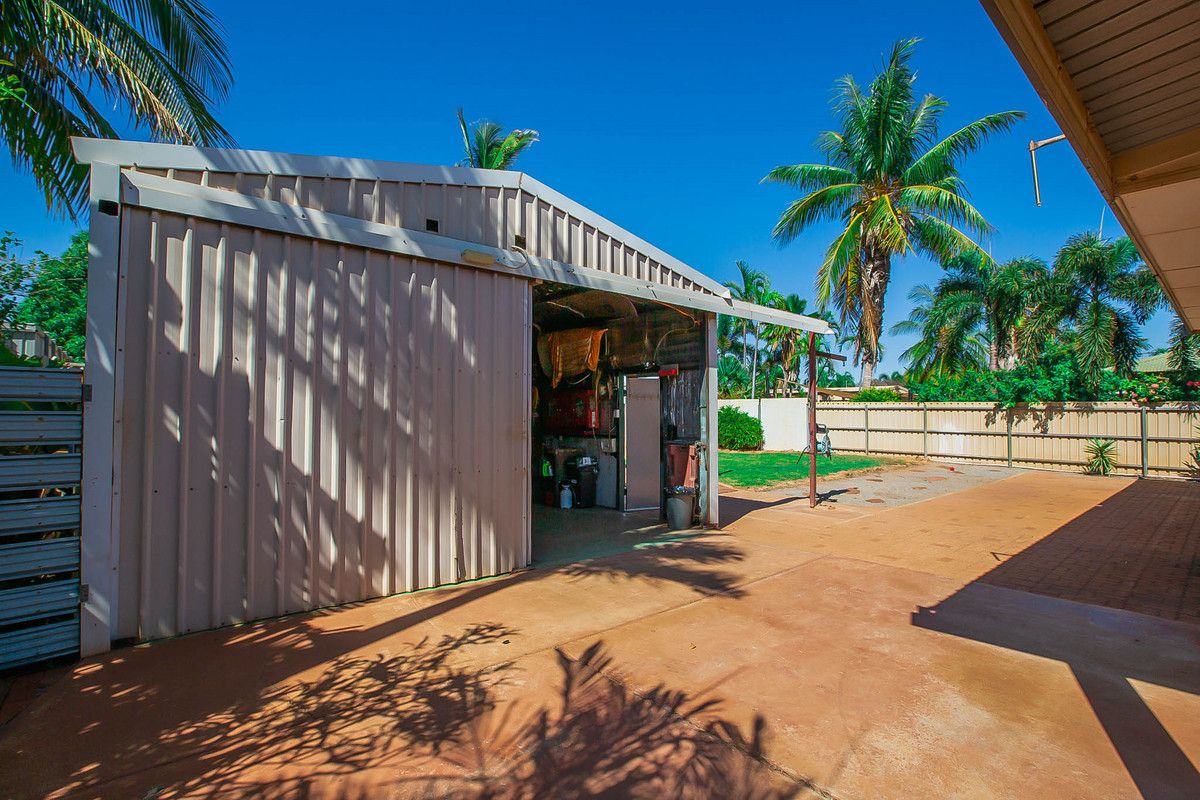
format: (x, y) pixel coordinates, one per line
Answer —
(661, 116)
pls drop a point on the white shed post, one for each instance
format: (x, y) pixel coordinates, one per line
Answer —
(708, 412)
(98, 533)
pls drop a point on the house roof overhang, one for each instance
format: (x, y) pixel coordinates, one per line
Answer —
(1118, 79)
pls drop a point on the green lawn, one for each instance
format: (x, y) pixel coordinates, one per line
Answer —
(755, 470)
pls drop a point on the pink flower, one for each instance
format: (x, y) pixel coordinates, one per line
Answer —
(1154, 386)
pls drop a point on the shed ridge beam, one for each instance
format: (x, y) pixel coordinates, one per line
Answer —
(180, 197)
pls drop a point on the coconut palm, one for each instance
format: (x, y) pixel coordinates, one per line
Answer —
(749, 287)
(487, 147)
(894, 188)
(1100, 294)
(950, 341)
(163, 62)
(788, 346)
(979, 292)
(1183, 354)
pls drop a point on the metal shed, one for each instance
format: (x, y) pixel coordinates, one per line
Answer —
(311, 377)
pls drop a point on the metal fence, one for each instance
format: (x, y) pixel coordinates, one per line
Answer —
(40, 439)
(1150, 441)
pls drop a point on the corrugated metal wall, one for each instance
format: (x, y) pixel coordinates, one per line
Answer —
(305, 423)
(488, 215)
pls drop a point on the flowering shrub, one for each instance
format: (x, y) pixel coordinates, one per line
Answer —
(1148, 388)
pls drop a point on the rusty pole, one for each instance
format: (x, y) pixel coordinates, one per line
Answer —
(812, 419)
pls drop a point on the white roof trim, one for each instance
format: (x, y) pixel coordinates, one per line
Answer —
(151, 155)
(188, 199)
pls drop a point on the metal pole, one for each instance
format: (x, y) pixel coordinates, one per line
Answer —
(925, 429)
(1033, 148)
(812, 419)
(1145, 446)
(1008, 421)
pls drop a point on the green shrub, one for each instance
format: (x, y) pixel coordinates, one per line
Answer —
(737, 430)
(1101, 456)
(877, 394)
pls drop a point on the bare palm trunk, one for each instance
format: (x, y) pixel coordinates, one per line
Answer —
(993, 354)
(868, 370)
(876, 273)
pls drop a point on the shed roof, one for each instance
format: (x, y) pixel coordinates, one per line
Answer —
(386, 205)
(1120, 78)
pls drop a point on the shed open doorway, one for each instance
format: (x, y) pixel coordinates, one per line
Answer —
(617, 389)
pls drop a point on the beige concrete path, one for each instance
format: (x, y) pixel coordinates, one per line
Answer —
(845, 653)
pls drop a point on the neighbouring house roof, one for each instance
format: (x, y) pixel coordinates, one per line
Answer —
(1120, 80)
(531, 227)
(1155, 363)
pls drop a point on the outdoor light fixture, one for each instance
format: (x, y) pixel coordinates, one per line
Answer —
(478, 258)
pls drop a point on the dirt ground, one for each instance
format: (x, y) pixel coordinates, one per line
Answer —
(1032, 635)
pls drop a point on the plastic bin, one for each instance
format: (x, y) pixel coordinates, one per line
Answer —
(681, 507)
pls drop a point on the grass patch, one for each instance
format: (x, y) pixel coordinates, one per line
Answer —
(756, 470)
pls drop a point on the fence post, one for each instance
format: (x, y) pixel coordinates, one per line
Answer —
(1008, 425)
(867, 429)
(1145, 445)
(925, 429)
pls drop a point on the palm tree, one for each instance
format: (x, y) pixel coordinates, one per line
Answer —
(731, 377)
(1183, 353)
(788, 345)
(977, 291)
(749, 288)
(487, 147)
(1099, 293)
(949, 342)
(164, 62)
(894, 188)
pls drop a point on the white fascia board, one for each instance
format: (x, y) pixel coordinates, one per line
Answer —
(188, 199)
(152, 155)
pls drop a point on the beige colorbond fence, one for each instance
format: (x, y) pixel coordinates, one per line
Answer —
(1153, 441)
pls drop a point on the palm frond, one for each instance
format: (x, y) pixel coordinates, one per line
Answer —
(940, 159)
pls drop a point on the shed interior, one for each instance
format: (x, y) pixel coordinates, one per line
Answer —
(616, 421)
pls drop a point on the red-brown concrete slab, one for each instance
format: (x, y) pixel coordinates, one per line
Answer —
(852, 654)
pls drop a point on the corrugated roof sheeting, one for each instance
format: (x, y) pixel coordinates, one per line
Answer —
(308, 423)
(1136, 65)
(486, 206)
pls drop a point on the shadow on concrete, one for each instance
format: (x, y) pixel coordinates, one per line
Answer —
(429, 721)
(734, 508)
(1114, 558)
(1139, 550)
(150, 709)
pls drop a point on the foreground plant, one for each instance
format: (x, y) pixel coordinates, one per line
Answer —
(1101, 456)
(894, 187)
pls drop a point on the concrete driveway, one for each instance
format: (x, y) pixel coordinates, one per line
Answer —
(1030, 636)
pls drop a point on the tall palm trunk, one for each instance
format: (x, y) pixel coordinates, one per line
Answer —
(877, 271)
(993, 351)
